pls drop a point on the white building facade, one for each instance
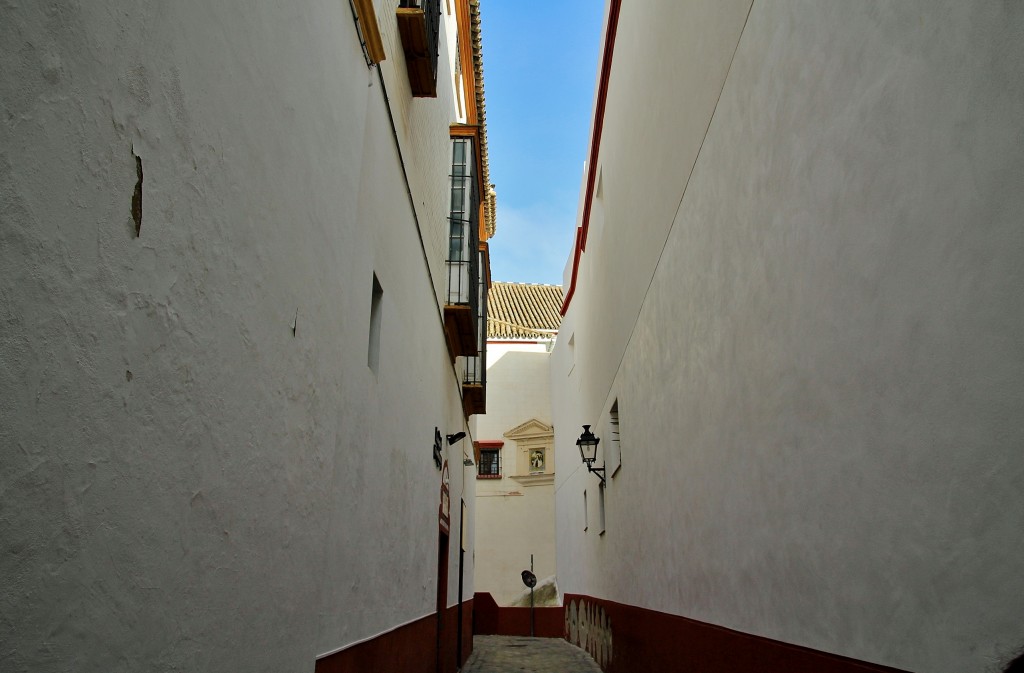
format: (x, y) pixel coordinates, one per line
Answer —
(515, 463)
(229, 360)
(794, 320)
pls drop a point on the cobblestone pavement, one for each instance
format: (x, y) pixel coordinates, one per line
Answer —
(513, 654)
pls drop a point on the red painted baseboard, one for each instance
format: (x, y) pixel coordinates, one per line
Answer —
(410, 648)
(490, 619)
(624, 638)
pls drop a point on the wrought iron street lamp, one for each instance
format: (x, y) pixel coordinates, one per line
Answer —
(588, 451)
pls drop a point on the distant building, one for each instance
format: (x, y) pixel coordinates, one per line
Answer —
(515, 441)
(794, 320)
(243, 250)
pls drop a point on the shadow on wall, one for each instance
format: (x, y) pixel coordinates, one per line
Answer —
(510, 362)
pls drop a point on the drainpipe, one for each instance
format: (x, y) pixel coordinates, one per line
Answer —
(462, 556)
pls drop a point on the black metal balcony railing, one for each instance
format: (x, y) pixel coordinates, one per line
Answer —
(463, 230)
(476, 365)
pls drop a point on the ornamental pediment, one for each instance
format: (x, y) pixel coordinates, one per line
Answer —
(531, 429)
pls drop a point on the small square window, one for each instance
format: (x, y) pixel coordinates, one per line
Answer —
(614, 440)
(373, 347)
(490, 463)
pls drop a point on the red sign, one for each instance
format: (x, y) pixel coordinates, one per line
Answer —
(444, 510)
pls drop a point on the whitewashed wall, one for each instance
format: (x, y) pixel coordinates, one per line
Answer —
(811, 319)
(424, 138)
(199, 471)
(518, 388)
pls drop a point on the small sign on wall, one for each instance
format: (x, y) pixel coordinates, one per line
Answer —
(437, 448)
(444, 510)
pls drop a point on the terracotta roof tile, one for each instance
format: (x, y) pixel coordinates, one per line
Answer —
(490, 197)
(523, 311)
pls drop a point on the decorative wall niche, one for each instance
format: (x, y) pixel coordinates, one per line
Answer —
(534, 464)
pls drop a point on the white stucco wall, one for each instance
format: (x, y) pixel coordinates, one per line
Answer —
(198, 470)
(514, 518)
(518, 387)
(512, 526)
(813, 335)
(426, 143)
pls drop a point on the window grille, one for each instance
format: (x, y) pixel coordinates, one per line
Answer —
(463, 229)
(476, 366)
(489, 464)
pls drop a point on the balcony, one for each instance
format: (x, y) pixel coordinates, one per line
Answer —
(419, 23)
(474, 399)
(474, 385)
(474, 381)
(462, 294)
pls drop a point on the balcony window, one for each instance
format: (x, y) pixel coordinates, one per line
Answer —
(419, 24)
(463, 230)
(474, 382)
(462, 293)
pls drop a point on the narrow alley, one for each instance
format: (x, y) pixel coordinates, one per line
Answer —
(689, 338)
(512, 654)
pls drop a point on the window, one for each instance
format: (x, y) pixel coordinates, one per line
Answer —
(572, 353)
(476, 365)
(489, 465)
(373, 348)
(614, 445)
(463, 294)
(463, 221)
(600, 510)
(462, 214)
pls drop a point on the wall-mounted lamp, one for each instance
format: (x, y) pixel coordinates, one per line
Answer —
(438, 457)
(588, 451)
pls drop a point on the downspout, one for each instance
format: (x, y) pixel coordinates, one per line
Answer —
(462, 556)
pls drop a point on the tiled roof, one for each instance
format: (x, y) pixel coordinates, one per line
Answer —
(490, 198)
(523, 311)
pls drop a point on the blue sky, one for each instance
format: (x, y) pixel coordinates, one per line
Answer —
(540, 66)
